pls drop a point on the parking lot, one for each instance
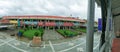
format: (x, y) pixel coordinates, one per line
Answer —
(12, 44)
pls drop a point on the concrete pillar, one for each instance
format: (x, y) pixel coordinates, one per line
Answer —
(69, 27)
(54, 26)
(48, 26)
(24, 24)
(63, 27)
(32, 24)
(45, 26)
(58, 27)
(37, 24)
(90, 26)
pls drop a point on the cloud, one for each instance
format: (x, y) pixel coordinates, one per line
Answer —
(77, 8)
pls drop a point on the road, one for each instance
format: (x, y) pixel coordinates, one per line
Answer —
(11, 44)
(51, 35)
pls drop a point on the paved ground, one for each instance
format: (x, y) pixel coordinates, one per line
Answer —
(51, 35)
(11, 44)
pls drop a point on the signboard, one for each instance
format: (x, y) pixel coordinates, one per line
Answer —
(100, 24)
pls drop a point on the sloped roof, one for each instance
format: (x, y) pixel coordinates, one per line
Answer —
(42, 17)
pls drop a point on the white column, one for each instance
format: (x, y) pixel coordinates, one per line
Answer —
(24, 24)
(48, 26)
(59, 25)
(45, 26)
(32, 22)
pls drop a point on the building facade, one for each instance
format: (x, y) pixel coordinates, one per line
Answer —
(47, 22)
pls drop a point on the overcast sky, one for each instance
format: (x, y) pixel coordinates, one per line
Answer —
(78, 8)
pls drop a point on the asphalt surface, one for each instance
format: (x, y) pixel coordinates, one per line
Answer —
(12, 44)
(51, 35)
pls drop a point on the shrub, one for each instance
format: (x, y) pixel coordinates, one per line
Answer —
(81, 30)
(29, 27)
(22, 31)
(36, 33)
(31, 33)
(67, 33)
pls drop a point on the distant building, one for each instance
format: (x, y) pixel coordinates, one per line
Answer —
(43, 21)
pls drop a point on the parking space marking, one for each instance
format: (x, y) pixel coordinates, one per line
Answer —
(29, 43)
(70, 43)
(23, 42)
(60, 43)
(16, 48)
(96, 46)
(76, 40)
(17, 43)
(71, 47)
(13, 46)
(44, 45)
(51, 46)
(80, 49)
(6, 42)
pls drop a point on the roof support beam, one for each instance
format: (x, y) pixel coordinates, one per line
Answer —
(116, 15)
(90, 26)
(116, 11)
(103, 11)
(107, 33)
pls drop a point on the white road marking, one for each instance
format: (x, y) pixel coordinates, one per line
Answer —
(16, 48)
(79, 39)
(69, 41)
(80, 49)
(29, 43)
(96, 46)
(6, 42)
(23, 42)
(60, 43)
(71, 44)
(51, 46)
(13, 46)
(16, 43)
(71, 47)
(44, 45)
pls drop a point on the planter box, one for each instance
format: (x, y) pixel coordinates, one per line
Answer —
(36, 42)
